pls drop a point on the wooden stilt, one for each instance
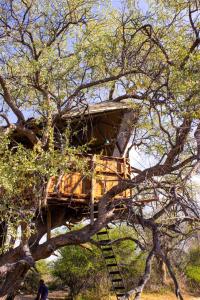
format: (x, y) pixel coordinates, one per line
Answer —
(125, 173)
(92, 190)
(48, 223)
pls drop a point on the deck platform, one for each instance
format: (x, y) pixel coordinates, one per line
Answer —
(76, 188)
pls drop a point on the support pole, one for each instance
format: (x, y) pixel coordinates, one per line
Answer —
(125, 173)
(92, 196)
(48, 223)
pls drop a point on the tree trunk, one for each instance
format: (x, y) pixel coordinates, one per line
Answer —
(162, 271)
(10, 297)
(145, 276)
(164, 274)
(13, 281)
(3, 231)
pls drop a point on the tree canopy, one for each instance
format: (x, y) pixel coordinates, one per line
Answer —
(57, 55)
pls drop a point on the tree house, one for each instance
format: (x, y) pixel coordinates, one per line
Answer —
(108, 125)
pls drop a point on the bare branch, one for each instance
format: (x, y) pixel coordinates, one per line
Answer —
(9, 100)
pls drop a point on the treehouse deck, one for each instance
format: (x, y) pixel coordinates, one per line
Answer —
(75, 188)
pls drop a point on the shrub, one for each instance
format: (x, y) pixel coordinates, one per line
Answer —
(192, 269)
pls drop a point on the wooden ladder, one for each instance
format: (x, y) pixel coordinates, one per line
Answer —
(114, 272)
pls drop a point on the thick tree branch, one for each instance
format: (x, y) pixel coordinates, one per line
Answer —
(195, 44)
(197, 137)
(143, 281)
(119, 240)
(8, 99)
(95, 83)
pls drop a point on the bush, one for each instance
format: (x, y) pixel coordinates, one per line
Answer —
(80, 269)
(192, 269)
(193, 273)
(130, 259)
(84, 270)
(32, 278)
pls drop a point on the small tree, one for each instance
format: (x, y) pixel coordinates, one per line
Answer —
(31, 282)
(79, 269)
(192, 269)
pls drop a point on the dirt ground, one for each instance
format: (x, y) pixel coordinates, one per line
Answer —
(168, 296)
(150, 296)
(57, 295)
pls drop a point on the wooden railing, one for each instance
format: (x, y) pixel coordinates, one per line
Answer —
(106, 172)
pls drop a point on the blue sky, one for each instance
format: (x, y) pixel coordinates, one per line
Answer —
(141, 3)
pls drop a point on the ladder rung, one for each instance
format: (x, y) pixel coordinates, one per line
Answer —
(112, 265)
(109, 257)
(117, 288)
(107, 249)
(102, 232)
(104, 242)
(114, 272)
(117, 280)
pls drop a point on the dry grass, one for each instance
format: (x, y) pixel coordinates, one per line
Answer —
(156, 296)
(146, 296)
(168, 296)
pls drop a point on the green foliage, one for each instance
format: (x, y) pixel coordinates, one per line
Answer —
(79, 268)
(43, 268)
(129, 256)
(194, 256)
(193, 273)
(192, 270)
(31, 282)
(84, 270)
(25, 174)
(32, 279)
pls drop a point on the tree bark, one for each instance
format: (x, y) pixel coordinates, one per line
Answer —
(162, 271)
(145, 276)
(13, 281)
